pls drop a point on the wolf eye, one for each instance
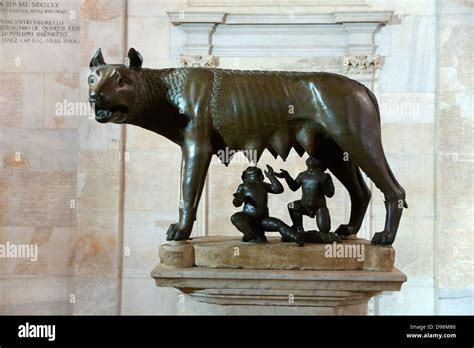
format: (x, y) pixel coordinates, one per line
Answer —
(91, 80)
(120, 81)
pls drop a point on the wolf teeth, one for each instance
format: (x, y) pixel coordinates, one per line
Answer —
(103, 113)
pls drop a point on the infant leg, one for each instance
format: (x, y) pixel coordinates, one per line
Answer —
(276, 225)
(243, 223)
(323, 220)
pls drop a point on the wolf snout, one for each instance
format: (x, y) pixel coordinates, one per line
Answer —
(95, 96)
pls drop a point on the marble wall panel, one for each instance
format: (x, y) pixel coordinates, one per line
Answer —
(96, 295)
(21, 100)
(415, 174)
(455, 301)
(33, 295)
(139, 139)
(39, 151)
(146, 231)
(455, 213)
(63, 104)
(418, 295)
(150, 301)
(14, 235)
(98, 242)
(409, 62)
(152, 181)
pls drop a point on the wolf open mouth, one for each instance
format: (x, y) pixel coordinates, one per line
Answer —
(105, 115)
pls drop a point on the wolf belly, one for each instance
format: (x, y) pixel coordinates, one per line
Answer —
(258, 110)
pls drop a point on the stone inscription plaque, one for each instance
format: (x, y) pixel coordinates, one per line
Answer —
(39, 35)
(21, 23)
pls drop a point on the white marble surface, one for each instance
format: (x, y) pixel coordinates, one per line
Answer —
(408, 49)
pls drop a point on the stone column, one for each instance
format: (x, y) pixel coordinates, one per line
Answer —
(98, 244)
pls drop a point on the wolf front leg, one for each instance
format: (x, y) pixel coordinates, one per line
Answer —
(194, 166)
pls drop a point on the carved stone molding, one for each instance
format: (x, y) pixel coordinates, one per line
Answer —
(197, 60)
(199, 38)
(224, 34)
(178, 18)
(361, 64)
(204, 3)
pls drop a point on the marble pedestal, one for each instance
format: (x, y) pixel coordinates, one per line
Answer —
(221, 275)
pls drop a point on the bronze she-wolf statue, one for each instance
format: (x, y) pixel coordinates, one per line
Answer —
(331, 117)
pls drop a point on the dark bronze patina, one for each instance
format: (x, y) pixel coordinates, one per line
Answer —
(329, 116)
(315, 186)
(254, 219)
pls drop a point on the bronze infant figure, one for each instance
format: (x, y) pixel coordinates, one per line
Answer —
(316, 185)
(202, 110)
(254, 220)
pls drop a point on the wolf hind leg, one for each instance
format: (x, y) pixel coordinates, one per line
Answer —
(368, 154)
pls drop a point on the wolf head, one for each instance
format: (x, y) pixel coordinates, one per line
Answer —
(113, 88)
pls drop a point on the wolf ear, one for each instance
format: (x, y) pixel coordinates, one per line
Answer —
(97, 60)
(135, 59)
